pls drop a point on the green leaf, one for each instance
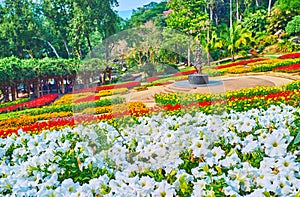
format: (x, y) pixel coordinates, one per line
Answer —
(267, 194)
(297, 139)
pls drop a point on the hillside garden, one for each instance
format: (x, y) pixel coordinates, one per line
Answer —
(69, 128)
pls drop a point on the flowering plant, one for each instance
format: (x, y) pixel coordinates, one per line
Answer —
(39, 102)
(250, 153)
(290, 56)
(243, 62)
(289, 69)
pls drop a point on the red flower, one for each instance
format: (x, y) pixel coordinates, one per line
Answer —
(189, 72)
(39, 102)
(290, 56)
(243, 62)
(290, 68)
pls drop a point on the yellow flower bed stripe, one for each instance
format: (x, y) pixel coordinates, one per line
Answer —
(119, 108)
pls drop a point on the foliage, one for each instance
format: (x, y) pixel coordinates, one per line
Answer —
(187, 16)
(172, 155)
(33, 68)
(282, 12)
(256, 22)
(293, 27)
(6, 104)
(150, 12)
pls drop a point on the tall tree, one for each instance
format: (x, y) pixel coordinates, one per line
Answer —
(19, 25)
(59, 14)
(189, 17)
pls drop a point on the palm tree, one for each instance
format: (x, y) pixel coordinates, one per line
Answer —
(235, 38)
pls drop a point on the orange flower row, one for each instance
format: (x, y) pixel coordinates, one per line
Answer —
(27, 120)
(132, 107)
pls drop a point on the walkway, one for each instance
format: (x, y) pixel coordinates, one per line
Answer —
(227, 84)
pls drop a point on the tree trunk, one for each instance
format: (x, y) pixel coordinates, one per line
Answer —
(231, 29)
(28, 89)
(13, 92)
(237, 11)
(6, 94)
(62, 86)
(208, 50)
(211, 11)
(189, 55)
(21, 51)
(256, 1)
(66, 45)
(230, 13)
(54, 50)
(17, 93)
(106, 53)
(90, 46)
(269, 7)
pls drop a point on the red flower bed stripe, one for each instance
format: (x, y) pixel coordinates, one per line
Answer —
(163, 83)
(39, 102)
(189, 72)
(243, 62)
(293, 67)
(109, 87)
(88, 99)
(151, 79)
(286, 94)
(59, 123)
(290, 56)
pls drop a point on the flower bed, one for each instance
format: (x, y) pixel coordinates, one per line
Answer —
(27, 120)
(238, 69)
(243, 62)
(252, 153)
(290, 56)
(88, 99)
(103, 93)
(151, 79)
(269, 66)
(132, 107)
(55, 124)
(6, 104)
(70, 98)
(288, 69)
(39, 102)
(189, 72)
(245, 99)
(109, 87)
(63, 108)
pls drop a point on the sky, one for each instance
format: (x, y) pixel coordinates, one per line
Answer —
(133, 4)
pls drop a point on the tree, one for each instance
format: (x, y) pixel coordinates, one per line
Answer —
(187, 16)
(90, 16)
(282, 12)
(293, 27)
(59, 14)
(150, 12)
(19, 24)
(256, 22)
(236, 39)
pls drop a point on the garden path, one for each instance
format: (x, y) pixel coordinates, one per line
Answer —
(228, 84)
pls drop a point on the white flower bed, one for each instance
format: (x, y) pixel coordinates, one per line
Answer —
(241, 154)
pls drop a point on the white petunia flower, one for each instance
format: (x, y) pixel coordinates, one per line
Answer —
(275, 146)
(164, 189)
(214, 156)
